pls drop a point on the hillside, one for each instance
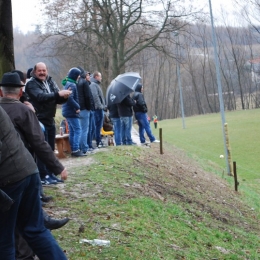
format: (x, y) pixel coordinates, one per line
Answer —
(152, 206)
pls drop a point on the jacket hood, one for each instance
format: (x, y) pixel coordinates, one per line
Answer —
(138, 87)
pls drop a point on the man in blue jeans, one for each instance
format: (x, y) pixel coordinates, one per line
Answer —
(125, 111)
(117, 127)
(19, 180)
(86, 102)
(99, 103)
(140, 109)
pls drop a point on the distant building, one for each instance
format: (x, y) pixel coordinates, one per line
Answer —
(253, 66)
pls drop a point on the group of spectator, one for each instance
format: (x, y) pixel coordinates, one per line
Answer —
(25, 226)
(27, 142)
(83, 110)
(122, 117)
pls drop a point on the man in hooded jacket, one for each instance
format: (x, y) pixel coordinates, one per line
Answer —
(140, 109)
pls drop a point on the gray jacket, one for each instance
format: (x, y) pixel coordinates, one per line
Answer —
(97, 94)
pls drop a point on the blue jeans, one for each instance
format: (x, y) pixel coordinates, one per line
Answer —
(75, 133)
(117, 128)
(92, 128)
(144, 126)
(26, 215)
(99, 117)
(84, 122)
(126, 123)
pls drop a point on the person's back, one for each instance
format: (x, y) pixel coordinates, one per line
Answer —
(19, 180)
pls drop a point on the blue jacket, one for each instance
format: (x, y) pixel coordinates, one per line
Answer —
(72, 105)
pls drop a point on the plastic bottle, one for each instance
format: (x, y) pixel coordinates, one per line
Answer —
(96, 242)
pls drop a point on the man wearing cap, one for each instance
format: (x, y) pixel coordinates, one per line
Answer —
(19, 180)
(86, 104)
(71, 111)
(44, 95)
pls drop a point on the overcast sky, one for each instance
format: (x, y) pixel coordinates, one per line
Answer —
(26, 12)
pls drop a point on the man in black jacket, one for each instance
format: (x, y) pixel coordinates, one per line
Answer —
(140, 109)
(44, 95)
(125, 111)
(86, 102)
(19, 180)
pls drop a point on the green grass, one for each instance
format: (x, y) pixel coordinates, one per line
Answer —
(203, 140)
(100, 198)
(149, 205)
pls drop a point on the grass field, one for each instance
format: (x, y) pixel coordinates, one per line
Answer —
(152, 206)
(203, 140)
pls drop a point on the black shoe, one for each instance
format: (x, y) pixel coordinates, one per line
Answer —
(52, 223)
(46, 199)
(78, 154)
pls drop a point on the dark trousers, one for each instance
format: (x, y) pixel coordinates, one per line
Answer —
(49, 133)
(99, 117)
(26, 215)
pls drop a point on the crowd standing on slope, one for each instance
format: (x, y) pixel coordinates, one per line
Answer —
(28, 103)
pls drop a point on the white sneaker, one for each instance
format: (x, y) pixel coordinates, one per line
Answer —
(156, 141)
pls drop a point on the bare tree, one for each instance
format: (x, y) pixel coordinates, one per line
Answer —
(114, 31)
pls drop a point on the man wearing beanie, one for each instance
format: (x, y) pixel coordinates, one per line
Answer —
(44, 95)
(71, 111)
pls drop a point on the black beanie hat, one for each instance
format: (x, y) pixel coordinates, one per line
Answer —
(138, 87)
(74, 73)
(28, 75)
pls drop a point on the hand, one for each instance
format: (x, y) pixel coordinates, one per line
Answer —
(65, 93)
(64, 174)
(78, 111)
(28, 104)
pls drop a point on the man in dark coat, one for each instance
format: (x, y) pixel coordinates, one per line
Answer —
(19, 180)
(86, 102)
(44, 95)
(125, 111)
(140, 109)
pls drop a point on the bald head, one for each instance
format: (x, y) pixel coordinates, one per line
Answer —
(40, 71)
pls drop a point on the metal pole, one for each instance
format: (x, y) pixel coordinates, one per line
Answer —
(180, 86)
(220, 95)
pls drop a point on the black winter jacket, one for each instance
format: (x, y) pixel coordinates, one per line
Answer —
(44, 102)
(125, 108)
(85, 96)
(140, 105)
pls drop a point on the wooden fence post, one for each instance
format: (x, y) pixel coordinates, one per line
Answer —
(235, 175)
(160, 136)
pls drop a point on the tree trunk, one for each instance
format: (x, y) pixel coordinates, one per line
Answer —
(6, 37)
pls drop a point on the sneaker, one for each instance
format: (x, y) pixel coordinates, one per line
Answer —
(56, 179)
(155, 141)
(78, 153)
(48, 181)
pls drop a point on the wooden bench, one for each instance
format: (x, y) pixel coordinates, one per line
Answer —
(63, 145)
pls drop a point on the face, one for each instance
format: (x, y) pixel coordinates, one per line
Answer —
(99, 77)
(88, 77)
(41, 71)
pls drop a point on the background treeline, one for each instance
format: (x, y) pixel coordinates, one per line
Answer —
(106, 44)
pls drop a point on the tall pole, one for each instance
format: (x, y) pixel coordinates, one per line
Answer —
(180, 86)
(220, 95)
